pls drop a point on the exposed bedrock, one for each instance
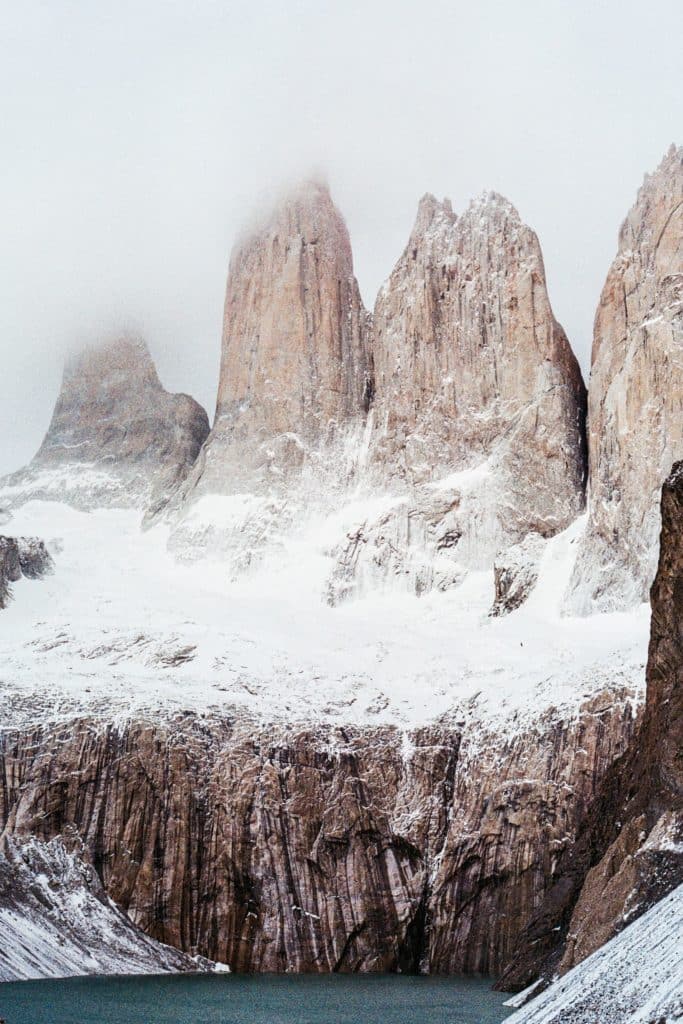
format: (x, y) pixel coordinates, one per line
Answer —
(320, 849)
(629, 849)
(635, 413)
(479, 408)
(116, 438)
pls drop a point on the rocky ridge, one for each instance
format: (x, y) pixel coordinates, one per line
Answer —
(116, 437)
(635, 412)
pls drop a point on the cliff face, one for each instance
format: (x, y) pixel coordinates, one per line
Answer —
(319, 849)
(635, 410)
(295, 365)
(116, 436)
(629, 849)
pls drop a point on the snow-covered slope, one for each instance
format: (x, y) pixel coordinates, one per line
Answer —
(121, 627)
(57, 921)
(636, 978)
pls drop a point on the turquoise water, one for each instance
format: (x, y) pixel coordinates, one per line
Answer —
(255, 999)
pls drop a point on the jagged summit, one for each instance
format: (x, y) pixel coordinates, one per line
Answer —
(635, 410)
(116, 437)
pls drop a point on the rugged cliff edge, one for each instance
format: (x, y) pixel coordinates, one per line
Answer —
(629, 849)
(635, 411)
(116, 437)
(320, 849)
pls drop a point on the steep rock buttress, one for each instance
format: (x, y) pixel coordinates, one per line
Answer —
(635, 413)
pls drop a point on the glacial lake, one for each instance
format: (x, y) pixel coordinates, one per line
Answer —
(251, 999)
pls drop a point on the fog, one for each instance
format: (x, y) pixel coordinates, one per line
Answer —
(138, 136)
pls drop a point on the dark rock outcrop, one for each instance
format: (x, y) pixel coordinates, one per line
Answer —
(21, 556)
(629, 850)
(116, 436)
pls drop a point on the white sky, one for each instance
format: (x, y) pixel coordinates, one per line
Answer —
(136, 137)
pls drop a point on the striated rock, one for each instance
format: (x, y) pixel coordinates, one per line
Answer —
(116, 436)
(636, 397)
(335, 848)
(477, 392)
(629, 850)
(21, 556)
(295, 365)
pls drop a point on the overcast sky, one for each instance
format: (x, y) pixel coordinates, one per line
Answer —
(136, 137)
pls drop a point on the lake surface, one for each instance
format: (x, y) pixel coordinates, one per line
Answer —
(262, 999)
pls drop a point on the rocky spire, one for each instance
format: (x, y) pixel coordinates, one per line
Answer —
(295, 363)
(116, 436)
(636, 397)
(468, 354)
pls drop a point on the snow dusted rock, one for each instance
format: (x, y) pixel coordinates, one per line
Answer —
(21, 556)
(56, 919)
(405, 547)
(636, 397)
(515, 573)
(116, 438)
(477, 394)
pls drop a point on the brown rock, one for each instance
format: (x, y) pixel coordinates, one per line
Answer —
(635, 410)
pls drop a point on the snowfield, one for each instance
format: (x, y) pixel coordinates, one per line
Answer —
(635, 978)
(123, 627)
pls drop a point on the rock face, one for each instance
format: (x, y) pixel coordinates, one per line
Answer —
(479, 406)
(116, 436)
(317, 849)
(21, 556)
(295, 366)
(629, 851)
(636, 397)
